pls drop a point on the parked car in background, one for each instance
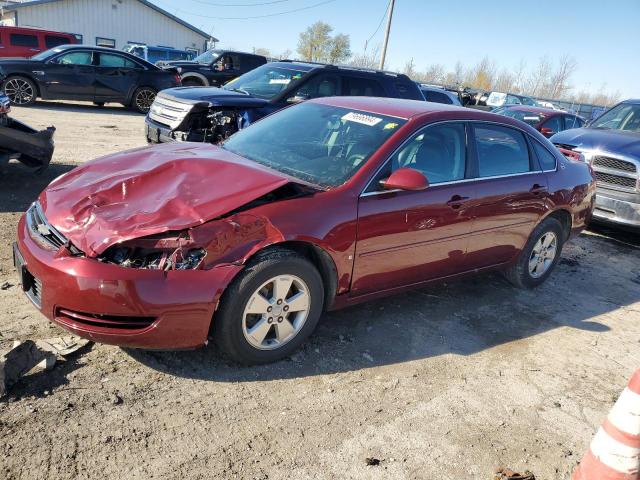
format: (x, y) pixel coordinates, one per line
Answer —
(437, 94)
(21, 142)
(82, 72)
(214, 114)
(158, 54)
(498, 99)
(215, 67)
(611, 144)
(322, 205)
(545, 120)
(27, 42)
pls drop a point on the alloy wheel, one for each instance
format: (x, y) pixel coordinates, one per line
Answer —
(543, 254)
(144, 99)
(276, 312)
(19, 91)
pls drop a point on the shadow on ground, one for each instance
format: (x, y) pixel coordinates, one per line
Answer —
(84, 107)
(461, 318)
(20, 185)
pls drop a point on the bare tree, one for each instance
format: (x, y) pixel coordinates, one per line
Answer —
(410, 69)
(534, 85)
(482, 75)
(265, 52)
(367, 59)
(285, 55)
(558, 84)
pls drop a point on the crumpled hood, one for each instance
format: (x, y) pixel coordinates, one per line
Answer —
(151, 190)
(612, 141)
(213, 96)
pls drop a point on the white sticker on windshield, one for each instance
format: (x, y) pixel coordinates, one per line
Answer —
(279, 81)
(361, 118)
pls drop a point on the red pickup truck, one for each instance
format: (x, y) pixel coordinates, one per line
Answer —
(27, 42)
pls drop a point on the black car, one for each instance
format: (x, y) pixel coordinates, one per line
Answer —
(81, 72)
(214, 68)
(213, 114)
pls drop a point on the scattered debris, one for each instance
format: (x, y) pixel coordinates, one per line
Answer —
(508, 474)
(21, 359)
(115, 399)
(367, 357)
(372, 461)
(570, 262)
(6, 285)
(63, 346)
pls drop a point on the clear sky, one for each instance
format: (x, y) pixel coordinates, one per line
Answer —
(601, 35)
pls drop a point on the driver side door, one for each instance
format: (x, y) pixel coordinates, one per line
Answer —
(406, 237)
(70, 76)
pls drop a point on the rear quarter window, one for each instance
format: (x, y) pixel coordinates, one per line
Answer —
(408, 90)
(437, 97)
(545, 157)
(52, 41)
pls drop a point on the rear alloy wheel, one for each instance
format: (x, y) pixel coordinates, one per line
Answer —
(143, 98)
(20, 90)
(539, 256)
(269, 309)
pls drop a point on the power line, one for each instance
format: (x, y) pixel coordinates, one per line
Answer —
(255, 16)
(384, 14)
(240, 4)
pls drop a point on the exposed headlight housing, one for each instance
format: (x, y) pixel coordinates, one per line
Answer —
(131, 255)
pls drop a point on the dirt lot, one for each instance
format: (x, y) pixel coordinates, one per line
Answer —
(446, 383)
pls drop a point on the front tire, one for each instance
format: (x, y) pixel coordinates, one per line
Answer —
(20, 90)
(269, 309)
(539, 256)
(142, 99)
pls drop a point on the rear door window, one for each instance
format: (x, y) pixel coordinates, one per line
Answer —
(322, 85)
(115, 61)
(408, 91)
(500, 151)
(21, 40)
(553, 124)
(571, 122)
(361, 87)
(52, 41)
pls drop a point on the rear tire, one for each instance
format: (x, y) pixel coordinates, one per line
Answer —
(289, 289)
(142, 99)
(21, 91)
(539, 256)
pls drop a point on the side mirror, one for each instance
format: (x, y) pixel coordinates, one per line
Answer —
(547, 132)
(405, 179)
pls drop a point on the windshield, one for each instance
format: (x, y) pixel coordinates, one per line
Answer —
(319, 144)
(625, 116)
(265, 81)
(209, 56)
(527, 117)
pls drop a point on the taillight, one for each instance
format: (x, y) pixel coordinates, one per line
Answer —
(571, 155)
(178, 79)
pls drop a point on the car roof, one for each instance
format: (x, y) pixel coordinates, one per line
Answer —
(530, 109)
(393, 107)
(72, 46)
(632, 100)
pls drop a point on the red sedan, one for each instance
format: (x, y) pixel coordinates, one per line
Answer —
(546, 120)
(322, 205)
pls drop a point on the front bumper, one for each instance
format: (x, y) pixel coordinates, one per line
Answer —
(122, 306)
(158, 133)
(617, 208)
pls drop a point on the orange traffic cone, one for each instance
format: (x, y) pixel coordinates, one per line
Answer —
(615, 450)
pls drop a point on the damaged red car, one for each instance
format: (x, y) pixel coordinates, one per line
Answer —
(319, 206)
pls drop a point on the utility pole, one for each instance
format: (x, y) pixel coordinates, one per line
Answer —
(386, 35)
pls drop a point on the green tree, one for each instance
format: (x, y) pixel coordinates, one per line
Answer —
(317, 45)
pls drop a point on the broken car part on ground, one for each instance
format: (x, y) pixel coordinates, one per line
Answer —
(19, 141)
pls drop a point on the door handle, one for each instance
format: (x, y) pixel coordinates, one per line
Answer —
(537, 188)
(457, 201)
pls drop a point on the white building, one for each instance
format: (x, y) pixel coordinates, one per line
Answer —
(108, 23)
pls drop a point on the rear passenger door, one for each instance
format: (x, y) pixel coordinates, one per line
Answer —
(511, 193)
(116, 77)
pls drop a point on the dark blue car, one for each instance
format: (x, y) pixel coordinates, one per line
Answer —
(611, 143)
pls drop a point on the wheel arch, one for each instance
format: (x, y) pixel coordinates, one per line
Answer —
(317, 255)
(566, 220)
(27, 76)
(201, 78)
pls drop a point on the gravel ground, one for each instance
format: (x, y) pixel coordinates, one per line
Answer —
(449, 382)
